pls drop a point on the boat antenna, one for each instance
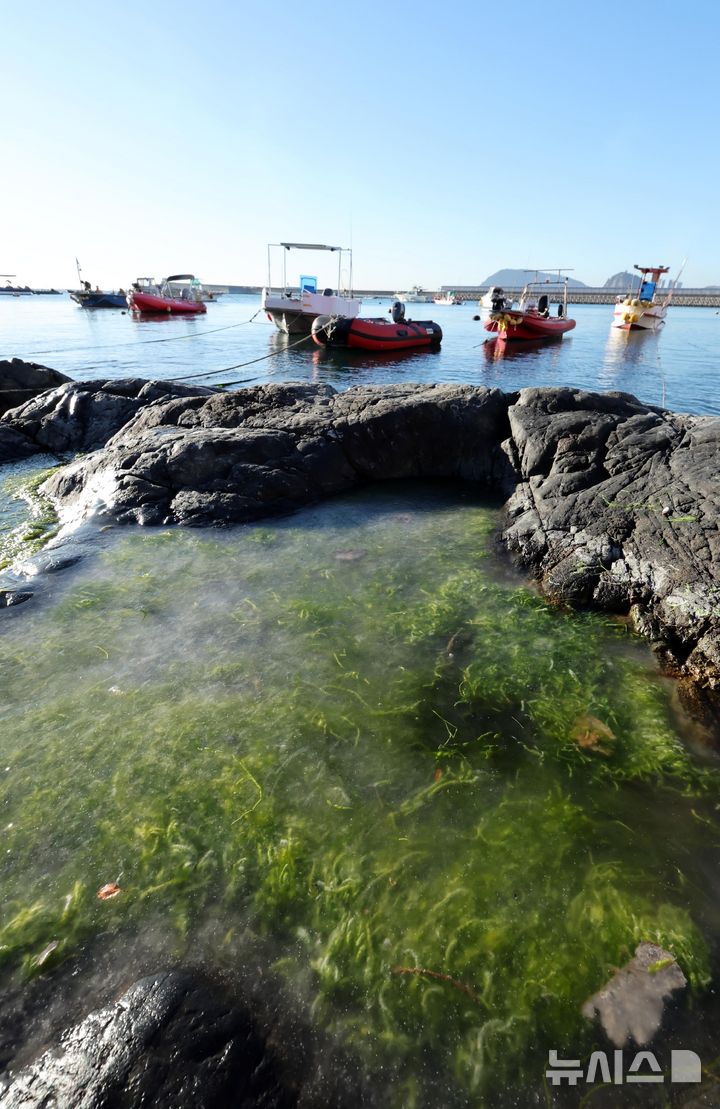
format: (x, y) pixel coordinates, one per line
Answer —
(668, 298)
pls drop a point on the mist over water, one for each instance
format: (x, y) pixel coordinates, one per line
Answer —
(677, 368)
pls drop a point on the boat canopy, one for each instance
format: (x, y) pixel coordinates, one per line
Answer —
(181, 277)
(309, 246)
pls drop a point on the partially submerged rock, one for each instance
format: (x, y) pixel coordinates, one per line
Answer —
(632, 1004)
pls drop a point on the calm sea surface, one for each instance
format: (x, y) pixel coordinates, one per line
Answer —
(677, 368)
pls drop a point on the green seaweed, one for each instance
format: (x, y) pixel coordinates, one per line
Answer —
(374, 762)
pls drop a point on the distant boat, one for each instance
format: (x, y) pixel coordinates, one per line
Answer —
(148, 298)
(97, 298)
(293, 311)
(640, 311)
(448, 298)
(87, 297)
(417, 295)
(531, 319)
(13, 290)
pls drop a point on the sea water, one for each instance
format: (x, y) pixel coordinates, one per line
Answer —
(348, 749)
(677, 368)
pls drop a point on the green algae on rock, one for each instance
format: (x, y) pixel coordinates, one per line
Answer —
(370, 761)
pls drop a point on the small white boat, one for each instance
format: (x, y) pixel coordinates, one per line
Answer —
(417, 295)
(294, 310)
(640, 310)
(447, 298)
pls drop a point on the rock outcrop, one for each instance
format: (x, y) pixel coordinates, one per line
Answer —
(21, 381)
(612, 503)
(80, 415)
(178, 1039)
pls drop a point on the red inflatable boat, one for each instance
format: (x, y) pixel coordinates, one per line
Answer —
(531, 319)
(509, 325)
(151, 299)
(375, 334)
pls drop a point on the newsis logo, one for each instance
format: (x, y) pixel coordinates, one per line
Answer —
(609, 1068)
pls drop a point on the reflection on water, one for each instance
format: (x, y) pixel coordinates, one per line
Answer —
(440, 802)
(594, 356)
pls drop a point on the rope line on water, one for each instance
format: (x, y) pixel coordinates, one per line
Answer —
(241, 365)
(212, 373)
(143, 342)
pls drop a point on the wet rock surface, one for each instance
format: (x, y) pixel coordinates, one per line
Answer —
(81, 415)
(20, 381)
(612, 503)
(183, 1040)
(616, 507)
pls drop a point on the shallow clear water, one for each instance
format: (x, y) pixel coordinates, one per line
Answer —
(357, 736)
(677, 368)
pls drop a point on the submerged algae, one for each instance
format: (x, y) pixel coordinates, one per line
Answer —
(24, 532)
(371, 760)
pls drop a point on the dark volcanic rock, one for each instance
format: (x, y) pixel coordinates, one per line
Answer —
(617, 506)
(238, 456)
(178, 1039)
(83, 415)
(613, 503)
(20, 381)
(14, 445)
(170, 1040)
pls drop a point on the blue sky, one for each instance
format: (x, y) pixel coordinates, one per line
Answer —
(443, 141)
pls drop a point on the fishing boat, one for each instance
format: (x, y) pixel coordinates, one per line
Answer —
(87, 297)
(417, 295)
(447, 298)
(146, 297)
(293, 310)
(531, 319)
(640, 310)
(362, 333)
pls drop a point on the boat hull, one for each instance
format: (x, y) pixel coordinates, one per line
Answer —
(151, 304)
(525, 326)
(100, 300)
(376, 334)
(294, 315)
(633, 317)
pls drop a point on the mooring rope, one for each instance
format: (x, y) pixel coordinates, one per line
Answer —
(211, 373)
(143, 342)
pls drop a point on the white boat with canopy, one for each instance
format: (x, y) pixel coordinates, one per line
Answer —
(640, 310)
(293, 309)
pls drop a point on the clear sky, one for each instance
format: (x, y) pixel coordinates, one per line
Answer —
(441, 140)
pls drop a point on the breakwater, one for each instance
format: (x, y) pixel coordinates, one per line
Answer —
(682, 298)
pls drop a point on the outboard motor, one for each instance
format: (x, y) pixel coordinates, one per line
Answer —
(397, 311)
(322, 329)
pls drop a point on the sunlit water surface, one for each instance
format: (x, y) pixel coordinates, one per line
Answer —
(355, 735)
(678, 367)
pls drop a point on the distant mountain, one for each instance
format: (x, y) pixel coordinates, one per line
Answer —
(623, 281)
(515, 279)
